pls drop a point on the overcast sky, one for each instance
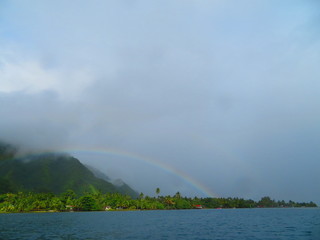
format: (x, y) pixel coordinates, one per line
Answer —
(224, 93)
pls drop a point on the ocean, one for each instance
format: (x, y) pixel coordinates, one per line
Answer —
(222, 224)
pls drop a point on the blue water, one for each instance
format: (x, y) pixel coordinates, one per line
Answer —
(240, 224)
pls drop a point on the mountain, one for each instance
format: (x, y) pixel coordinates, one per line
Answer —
(121, 185)
(51, 172)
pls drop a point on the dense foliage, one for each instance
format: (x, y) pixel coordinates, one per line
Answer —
(69, 201)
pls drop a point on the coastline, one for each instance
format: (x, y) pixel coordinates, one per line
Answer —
(135, 210)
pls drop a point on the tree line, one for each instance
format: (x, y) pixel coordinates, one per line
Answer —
(69, 201)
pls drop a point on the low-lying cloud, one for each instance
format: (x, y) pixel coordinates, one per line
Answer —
(225, 92)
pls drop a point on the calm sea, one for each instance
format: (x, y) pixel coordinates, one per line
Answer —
(239, 224)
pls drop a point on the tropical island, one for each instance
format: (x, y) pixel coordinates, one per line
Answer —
(68, 201)
(59, 182)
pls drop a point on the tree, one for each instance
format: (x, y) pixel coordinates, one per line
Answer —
(177, 195)
(266, 202)
(69, 195)
(87, 203)
(182, 204)
(141, 195)
(157, 191)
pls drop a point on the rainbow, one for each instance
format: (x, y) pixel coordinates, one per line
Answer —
(138, 157)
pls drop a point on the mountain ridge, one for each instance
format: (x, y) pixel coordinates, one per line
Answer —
(51, 172)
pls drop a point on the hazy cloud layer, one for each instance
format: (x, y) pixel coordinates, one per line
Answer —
(226, 92)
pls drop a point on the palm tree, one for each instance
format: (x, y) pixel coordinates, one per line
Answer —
(177, 195)
(141, 195)
(157, 191)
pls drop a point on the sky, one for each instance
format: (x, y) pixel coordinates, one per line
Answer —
(205, 97)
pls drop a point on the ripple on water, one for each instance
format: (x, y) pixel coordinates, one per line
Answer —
(240, 224)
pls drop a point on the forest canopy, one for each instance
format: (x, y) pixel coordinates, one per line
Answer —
(69, 201)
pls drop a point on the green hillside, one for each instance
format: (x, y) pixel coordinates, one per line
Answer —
(121, 186)
(50, 172)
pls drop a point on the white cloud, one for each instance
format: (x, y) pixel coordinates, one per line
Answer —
(19, 74)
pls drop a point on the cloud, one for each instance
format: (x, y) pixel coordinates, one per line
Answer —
(36, 121)
(20, 74)
(224, 91)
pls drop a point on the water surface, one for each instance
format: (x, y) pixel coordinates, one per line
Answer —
(240, 224)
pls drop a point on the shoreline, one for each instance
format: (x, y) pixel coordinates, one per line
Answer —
(135, 210)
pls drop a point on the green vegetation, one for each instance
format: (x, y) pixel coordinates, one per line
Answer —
(42, 182)
(49, 172)
(69, 201)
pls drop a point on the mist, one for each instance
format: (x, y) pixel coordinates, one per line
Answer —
(210, 97)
